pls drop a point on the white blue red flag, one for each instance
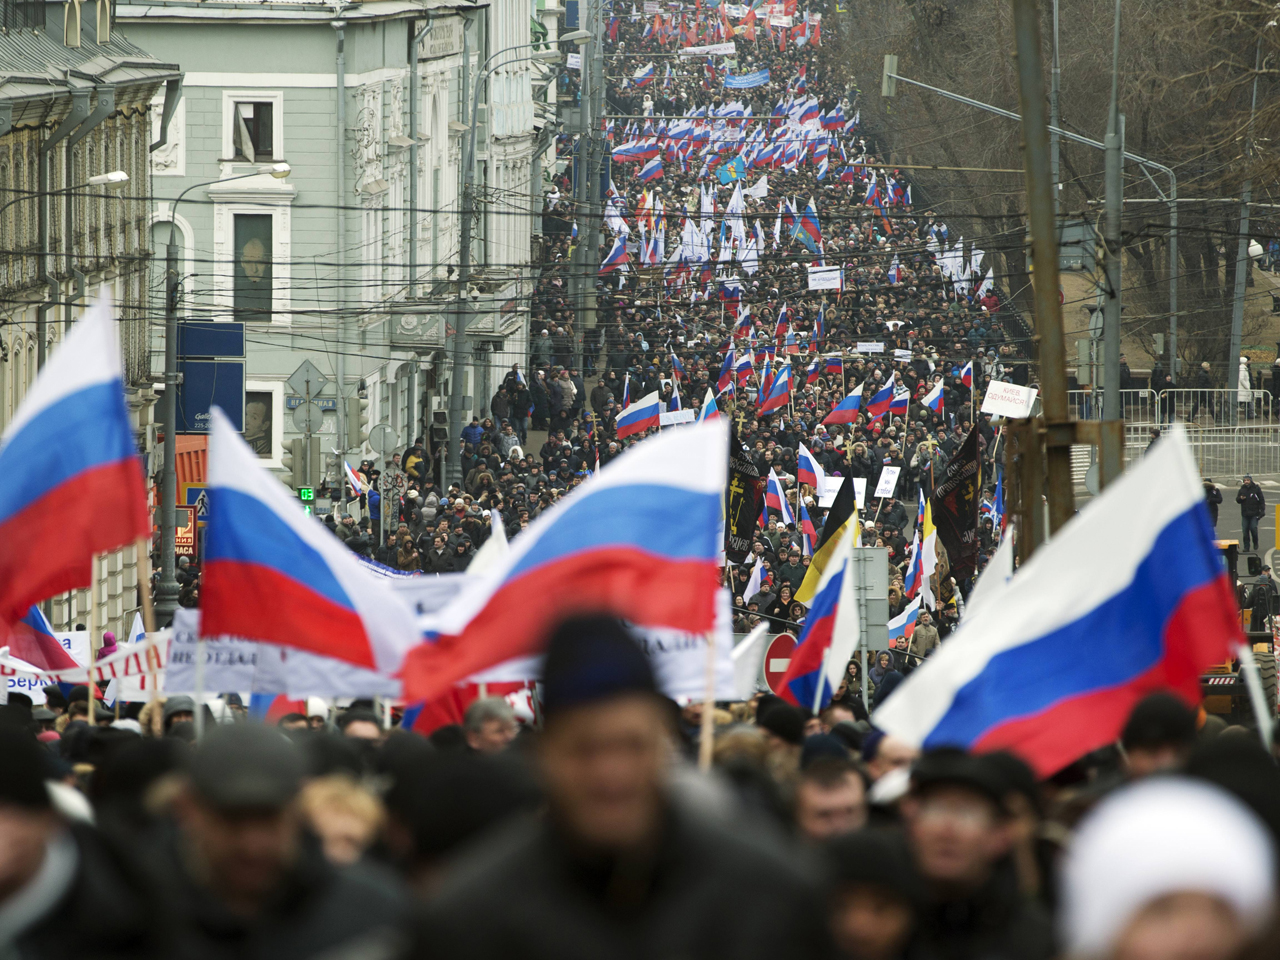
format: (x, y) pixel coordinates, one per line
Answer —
(846, 411)
(640, 540)
(639, 416)
(274, 574)
(1128, 598)
(74, 484)
(933, 399)
(830, 633)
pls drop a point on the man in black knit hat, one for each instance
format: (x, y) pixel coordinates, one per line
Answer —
(617, 867)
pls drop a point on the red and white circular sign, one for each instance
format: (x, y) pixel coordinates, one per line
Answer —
(776, 660)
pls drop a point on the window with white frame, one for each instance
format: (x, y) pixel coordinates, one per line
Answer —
(252, 126)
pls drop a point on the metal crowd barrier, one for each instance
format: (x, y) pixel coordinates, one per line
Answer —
(1206, 408)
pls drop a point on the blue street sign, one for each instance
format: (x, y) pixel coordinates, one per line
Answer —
(207, 384)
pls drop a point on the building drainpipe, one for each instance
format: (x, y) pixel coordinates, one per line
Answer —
(339, 27)
(79, 111)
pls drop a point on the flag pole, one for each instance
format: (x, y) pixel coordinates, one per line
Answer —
(706, 743)
(93, 636)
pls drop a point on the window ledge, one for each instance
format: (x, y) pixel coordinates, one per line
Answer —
(262, 188)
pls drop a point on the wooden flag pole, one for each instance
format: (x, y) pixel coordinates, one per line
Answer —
(706, 743)
(142, 550)
(93, 636)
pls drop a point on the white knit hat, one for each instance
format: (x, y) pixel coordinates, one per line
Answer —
(1162, 836)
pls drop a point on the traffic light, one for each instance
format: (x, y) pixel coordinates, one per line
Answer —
(304, 469)
(357, 421)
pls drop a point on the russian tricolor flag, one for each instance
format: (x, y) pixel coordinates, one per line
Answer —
(778, 394)
(640, 416)
(830, 634)
(904, 624)
(31, 640)
(901, 400)
(834, 366)
(1090, 625)
(726, 371)
(274, 574)
(776, 498)
(881, 400)
(743, 368)
(808, 469)
(808, 534)
(616, 257)
(933, 399)
(846, 411)
(73, 485)
(710, 411)
(911, 585)
(640, 540)
(966, 375)
(643, 76)
(651, 171)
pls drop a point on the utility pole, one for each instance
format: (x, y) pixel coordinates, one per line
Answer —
(1049, 334)
(340, 65)
(462, 303)
(1242, 251)
(167, 588)
(1114, 144)
(1055, 121)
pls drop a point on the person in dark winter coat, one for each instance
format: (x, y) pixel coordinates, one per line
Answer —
(1253, 507)
(241, 878)
(618, 866)
(957, 822)
(65, 890)
(1212, 500)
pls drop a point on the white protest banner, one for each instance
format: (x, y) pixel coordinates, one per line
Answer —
(780, 21)
(669, 418)
(826, 278)
(1009, 400)
(813, 17)
(710, 50)
(736, 10)
(888, 481)
(679, 659)
(229, 663)
(652, 6)
(234, 664)
(131, 660)
(864, 347)
(832, 487)
(902, 355)
(573, 61)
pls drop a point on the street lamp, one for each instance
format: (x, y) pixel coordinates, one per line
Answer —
(112, 181)
(453, 465)
(166, 600)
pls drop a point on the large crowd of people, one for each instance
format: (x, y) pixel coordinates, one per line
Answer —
(667, 327)
(323, 833)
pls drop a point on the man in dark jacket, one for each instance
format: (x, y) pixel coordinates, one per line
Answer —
(1212, 500)
(243, 879)
(958, 827)
(618, 867)
(65, 891)
(1253, 506)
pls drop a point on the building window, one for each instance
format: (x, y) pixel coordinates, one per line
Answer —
(252, 133)
(21, 14)
(252, 285)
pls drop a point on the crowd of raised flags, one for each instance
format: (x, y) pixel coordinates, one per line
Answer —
(1048, 662)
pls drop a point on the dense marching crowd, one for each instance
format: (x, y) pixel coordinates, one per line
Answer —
(321, 833)
(667, 328)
